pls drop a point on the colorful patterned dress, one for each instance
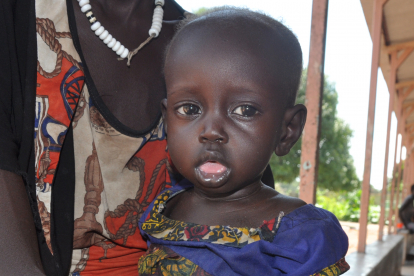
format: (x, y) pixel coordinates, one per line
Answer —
(116, 175)
(307, 241)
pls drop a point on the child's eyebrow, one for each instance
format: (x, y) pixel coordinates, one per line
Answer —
(251, 89)
(183, 88)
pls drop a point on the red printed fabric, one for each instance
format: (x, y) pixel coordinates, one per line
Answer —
(116, 175)
(59, 85)
(119, 244)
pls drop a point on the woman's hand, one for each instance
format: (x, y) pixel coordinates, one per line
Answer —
(19, 254)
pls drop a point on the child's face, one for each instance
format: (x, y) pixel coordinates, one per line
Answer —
(224, 118)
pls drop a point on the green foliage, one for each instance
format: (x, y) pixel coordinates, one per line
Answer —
(290, 189)
(345, 205)
(200, 10)
(336, 169)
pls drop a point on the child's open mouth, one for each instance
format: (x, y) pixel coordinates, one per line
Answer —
(213, 172)
(212, 167)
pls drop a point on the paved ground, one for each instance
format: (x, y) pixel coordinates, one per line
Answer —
(408, 269)
(351, 229)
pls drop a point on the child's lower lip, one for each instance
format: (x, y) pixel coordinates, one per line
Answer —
(212, 168)
(212, 172)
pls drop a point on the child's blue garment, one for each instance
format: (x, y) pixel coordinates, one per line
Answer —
(307, 241)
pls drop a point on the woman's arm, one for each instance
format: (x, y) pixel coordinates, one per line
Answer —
(19, 254)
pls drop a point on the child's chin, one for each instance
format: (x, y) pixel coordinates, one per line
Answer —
(210, 180)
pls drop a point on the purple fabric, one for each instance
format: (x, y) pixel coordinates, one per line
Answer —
(308, 240)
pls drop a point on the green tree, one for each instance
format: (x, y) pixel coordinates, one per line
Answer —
(201, 10)
(336, 168)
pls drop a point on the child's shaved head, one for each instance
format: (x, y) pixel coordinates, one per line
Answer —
(231, 77)
(251, 33)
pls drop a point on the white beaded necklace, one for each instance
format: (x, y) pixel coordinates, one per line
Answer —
(114, 44)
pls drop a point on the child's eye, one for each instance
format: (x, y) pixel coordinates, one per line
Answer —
(245, 111)
(188, 109)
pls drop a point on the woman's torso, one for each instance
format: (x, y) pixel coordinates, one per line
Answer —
(120, 154)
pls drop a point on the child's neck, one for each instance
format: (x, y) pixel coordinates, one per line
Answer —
(245, 193)
(248, 207)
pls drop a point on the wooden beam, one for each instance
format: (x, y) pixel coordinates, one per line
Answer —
(398, 188)
(396, 62)
(404, 55)
(376, 45)
(406, 142)
(409, 167)
(410, 105)
(397, 195)
(404, 84)
(406, 93)
(410, 124)
(406, 113)
(409, 90)
(405, 176)
(394, 169)
(393, 76)
(393, 180)
(409, 130)
(403, 93)
(406, 184)
(314, 93)
(399, 46)
(407, 104)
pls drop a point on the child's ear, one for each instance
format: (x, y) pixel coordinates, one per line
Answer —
(292, 127)
(164, 113)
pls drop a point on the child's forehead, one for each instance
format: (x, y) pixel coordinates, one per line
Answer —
(249, 35)
(226, 75)
(252, 45)
(233, 55)
(236, 44)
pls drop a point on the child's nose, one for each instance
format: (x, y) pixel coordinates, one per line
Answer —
(213, 132)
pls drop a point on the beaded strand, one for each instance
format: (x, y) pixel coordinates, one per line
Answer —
(114, 44)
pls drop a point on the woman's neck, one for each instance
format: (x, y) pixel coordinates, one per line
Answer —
(132, 94)
(127, 10)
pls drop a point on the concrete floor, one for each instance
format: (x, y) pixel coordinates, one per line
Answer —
(407, 269)
(351, 229)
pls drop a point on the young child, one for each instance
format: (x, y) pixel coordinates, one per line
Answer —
(232, 77)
